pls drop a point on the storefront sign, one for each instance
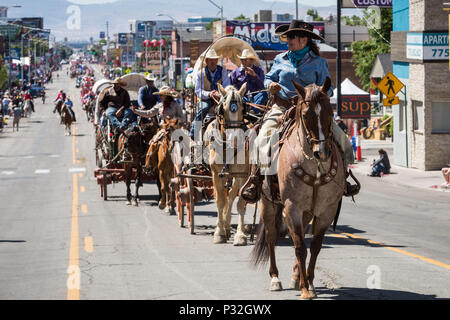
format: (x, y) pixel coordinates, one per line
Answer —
(262, 34)
(355, 107)
(427, 46)
(366, 3)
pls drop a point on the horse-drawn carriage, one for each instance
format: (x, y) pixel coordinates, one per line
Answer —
(115, 159)
(193, 181)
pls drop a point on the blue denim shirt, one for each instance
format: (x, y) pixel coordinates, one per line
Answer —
(146, 97)
(311, 69)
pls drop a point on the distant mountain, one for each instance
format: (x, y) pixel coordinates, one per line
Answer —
(59, 14)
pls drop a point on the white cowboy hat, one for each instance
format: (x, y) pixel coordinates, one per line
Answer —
(119, 81)
(247, 54)
(149, 77)
(166, 91)
(212, 54)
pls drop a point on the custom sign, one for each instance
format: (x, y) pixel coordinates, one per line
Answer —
(263, 33)
(390, 85)
(355, 107)
(391, 101)
(366, 3)
(427, 46)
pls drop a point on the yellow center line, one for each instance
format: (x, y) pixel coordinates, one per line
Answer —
(88, 244)
(84, 208)
(404, 252)
(82, 189)
(73, 281)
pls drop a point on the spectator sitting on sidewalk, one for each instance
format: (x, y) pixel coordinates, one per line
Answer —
(446, 174)
(382, 165)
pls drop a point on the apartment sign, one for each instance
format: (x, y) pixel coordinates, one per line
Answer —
(427, 46)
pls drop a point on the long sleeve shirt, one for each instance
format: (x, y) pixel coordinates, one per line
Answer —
(311, 69)
(146, 97)
(120, 98)
(238, 77)
(174, 111)
(200, 85)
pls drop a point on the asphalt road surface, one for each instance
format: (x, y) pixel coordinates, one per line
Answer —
(60, 240)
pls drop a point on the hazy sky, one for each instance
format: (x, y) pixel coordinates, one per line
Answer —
(81, 19)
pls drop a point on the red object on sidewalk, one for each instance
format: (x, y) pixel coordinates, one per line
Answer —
(358, 147)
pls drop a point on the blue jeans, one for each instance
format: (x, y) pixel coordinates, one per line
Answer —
(201, 114)
(128, 117)
(260, 98)
(378, 168)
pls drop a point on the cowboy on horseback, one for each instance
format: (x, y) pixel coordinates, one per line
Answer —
(302, 64)
(146, 96)
(206, 88)
(61, 97)
(116, 103)
(27, 96)
(69, 104)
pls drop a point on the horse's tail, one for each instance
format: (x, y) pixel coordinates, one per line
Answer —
(260, 252)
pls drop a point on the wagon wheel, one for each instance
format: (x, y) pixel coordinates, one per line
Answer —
(177, 169)
(105, 187)
(190, 203)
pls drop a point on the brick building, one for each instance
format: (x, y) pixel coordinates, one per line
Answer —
(420, 60)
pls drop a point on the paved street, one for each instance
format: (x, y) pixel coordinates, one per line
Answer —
(53, 223)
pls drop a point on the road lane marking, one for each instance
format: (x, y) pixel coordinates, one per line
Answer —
(404, 252)
(74, 279)
(8, 173)
(42, 171)
(88, 244)
(84, 208)
(76, 170)
(82, 188)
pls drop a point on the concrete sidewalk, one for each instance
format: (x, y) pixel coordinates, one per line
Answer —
(431, 180)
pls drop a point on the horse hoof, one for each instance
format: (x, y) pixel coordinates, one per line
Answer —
(220, 239)
(275, 285)
(312, 291)
(135, 203)
(162, 206)
(295, 284)
(240, 240)
(306, 296)
(167, 211)
(128, 203)
(172, 211)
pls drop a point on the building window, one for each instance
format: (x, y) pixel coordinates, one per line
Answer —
(418, 115)
(440, 117)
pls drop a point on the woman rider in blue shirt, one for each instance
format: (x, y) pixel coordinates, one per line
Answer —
(301, 63)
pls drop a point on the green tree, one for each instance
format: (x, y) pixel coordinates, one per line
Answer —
(3, 74)
(313, 13)
(365, 52)
(209, 26)
(242, 17)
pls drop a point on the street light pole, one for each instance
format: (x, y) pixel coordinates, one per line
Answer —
(221, 16)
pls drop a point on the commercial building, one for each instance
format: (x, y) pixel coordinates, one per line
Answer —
(420, 58)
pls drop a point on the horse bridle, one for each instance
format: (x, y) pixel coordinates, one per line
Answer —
(239, 124)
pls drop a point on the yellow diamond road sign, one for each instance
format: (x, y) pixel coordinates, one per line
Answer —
(391, 101)
(390, 85)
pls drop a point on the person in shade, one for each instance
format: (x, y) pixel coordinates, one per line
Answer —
(146, 97)
(253, 75)
(206, 88)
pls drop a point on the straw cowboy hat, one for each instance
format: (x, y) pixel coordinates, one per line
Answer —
(212, 54)
(297, 25)
(149, 77)
(119, 81)
(166, 91)
(248, 54)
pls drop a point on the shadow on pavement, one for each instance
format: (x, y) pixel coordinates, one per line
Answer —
(12, 241)
(346, 293)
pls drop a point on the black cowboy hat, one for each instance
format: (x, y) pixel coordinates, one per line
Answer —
(304, 28)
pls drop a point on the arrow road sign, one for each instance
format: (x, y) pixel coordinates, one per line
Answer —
(391, 101)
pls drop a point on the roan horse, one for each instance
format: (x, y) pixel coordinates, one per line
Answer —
(66, 119)
(228, 178)
(159, 159)
(131, 145)
(311, 178)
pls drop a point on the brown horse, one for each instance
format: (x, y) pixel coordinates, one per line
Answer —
(131, 145)
(66, 119)
(89, 108)
(159, 158)
(228, 178)
(58, 106)
(311, 178)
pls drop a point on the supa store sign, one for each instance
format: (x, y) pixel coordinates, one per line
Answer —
(262, 34)
(355, 107)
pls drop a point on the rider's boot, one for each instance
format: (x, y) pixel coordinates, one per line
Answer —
(251, 190)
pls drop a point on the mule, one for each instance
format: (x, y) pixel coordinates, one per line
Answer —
(228, 178)
(66, 119)
(159, 159)
(311, 177)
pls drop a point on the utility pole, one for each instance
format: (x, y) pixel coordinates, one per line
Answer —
(221, 16)
(160, 59)
(296, 9)
(107, 41)
(338, 60)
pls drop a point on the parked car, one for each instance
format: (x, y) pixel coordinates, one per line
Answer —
(37, 90)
